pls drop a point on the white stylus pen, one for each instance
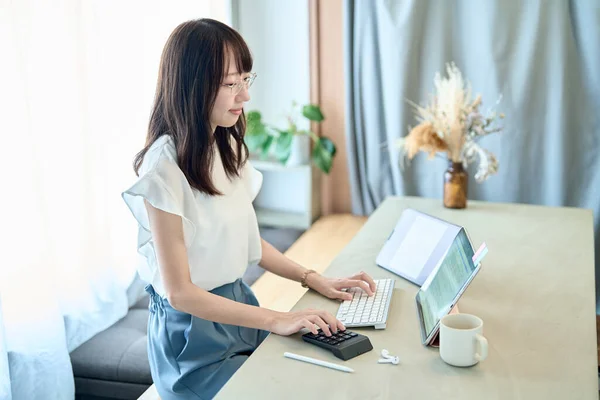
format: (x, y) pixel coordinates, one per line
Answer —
(317, 362)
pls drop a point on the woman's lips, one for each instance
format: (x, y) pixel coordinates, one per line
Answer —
(236, 111)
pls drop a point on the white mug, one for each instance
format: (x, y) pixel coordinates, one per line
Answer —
(460, 335)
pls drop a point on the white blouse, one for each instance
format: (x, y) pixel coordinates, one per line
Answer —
(220, 232)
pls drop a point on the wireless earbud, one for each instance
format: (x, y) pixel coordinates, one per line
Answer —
(391, 360)
(388, 358)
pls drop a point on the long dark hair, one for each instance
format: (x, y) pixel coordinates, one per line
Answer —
(192, 67)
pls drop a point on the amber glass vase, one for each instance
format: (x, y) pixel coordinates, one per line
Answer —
(455, 186)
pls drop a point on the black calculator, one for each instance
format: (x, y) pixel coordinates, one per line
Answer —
(343, 344)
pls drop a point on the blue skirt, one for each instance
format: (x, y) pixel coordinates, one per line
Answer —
(192, 358)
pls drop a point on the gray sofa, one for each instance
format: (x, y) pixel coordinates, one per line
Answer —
(114, 363)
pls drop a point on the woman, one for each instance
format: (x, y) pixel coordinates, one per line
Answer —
(197, 227)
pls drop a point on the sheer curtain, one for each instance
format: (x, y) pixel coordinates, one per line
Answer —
(5, 392)
(77, 80)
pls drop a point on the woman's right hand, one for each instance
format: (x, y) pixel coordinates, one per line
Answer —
(287, 323)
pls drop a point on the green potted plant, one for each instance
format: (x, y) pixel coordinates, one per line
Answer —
(271, 142)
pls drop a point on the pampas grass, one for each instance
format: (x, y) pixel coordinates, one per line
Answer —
(451, 123)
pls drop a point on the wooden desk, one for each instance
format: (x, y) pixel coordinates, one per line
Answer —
(535, 294)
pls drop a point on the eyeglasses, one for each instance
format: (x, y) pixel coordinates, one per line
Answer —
(237, 87)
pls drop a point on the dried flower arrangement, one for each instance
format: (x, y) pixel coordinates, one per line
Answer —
(451, 123)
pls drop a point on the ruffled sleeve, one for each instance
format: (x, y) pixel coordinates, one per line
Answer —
(253, 180)
(165, 187)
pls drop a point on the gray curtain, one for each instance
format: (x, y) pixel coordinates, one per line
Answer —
(542, 56)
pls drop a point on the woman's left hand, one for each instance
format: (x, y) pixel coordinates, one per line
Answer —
(332, 287)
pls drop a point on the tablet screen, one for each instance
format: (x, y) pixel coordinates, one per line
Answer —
(445, 282)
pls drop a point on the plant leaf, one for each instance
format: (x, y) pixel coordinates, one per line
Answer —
(257, 134)
(328, 145)
(283, 146)
(313, 112)
(323, 153)
(266, 146)
(254, 124)
(255, 142)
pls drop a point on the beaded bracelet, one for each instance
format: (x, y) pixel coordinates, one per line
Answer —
(304, 275)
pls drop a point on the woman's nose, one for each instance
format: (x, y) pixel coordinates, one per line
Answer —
(243, 95)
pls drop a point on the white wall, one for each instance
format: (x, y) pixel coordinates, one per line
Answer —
(277, 33)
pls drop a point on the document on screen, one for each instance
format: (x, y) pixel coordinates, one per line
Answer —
(421, 239)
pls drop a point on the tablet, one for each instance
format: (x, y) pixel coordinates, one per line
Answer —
(416, 245)
(445, 285)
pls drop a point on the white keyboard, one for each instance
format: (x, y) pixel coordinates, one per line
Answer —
(363, 310)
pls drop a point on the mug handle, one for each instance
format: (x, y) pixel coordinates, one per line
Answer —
(483, 345)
